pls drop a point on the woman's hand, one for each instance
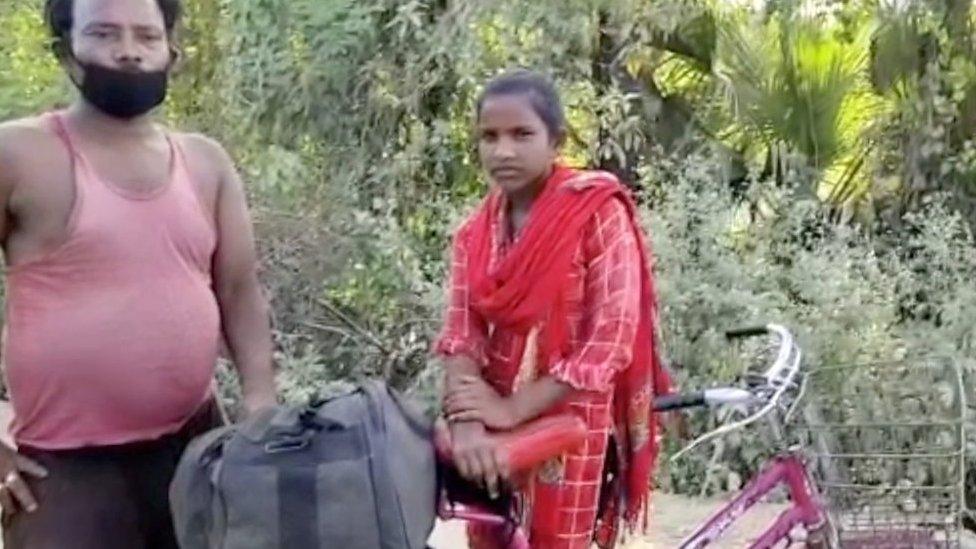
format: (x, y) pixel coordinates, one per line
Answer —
(472, 399)
(476, 456)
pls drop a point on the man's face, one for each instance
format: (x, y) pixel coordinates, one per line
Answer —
(128, 35)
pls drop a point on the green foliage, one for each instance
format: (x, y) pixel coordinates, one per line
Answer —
(30, 78)
(852, 297)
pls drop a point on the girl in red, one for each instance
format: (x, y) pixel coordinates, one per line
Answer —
(551, 308)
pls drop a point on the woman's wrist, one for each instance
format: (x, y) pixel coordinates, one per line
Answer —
(536, 399)
(517, 410)
(465, 426)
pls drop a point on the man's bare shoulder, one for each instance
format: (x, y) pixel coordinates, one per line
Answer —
(23, 136)
(24, 143)
(207, 158)
(205, 148)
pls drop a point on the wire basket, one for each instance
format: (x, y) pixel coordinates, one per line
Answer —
(887, 451)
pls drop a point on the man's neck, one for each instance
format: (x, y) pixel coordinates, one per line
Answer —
(93, 123)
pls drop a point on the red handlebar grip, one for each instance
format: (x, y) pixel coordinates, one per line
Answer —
(528, 445)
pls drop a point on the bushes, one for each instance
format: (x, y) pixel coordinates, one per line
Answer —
(851, 295)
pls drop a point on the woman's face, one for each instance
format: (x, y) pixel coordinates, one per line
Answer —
(514, 144)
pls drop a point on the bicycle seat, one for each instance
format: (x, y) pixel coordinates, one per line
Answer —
(526, 446)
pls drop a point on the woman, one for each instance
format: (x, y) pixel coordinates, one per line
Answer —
(551, 308)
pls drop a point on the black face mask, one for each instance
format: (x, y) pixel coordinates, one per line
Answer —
(122, 94)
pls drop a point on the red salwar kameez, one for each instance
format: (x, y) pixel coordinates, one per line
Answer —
(570, 297)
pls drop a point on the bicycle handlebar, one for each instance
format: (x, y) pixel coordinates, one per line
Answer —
(770, 389)
(526, 446)
(677, 401)
(752, 331)
(708, 397)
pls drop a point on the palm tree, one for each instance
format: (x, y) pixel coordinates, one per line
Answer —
(790, 93)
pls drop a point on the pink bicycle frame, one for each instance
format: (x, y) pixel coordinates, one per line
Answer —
(806, 508)
(471, 514)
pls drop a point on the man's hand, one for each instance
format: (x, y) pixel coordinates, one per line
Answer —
(256, 401)
(472, 399)
(476, 456)
(14, 493)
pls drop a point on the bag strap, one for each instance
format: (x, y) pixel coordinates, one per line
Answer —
(390, 513)
(192, 489)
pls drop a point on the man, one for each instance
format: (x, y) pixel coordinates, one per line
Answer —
(129, 252)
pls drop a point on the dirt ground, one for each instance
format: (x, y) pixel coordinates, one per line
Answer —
(673, 517)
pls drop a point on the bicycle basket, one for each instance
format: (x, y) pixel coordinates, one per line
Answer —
(887, 445)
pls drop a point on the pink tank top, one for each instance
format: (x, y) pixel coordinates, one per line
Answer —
(112, 337)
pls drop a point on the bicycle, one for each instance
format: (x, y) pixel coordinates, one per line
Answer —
(826, 471)
(469, 503)
(831, 472)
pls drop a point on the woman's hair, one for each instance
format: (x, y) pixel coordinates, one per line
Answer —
(538, 89)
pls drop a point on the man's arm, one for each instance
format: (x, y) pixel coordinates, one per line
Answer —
(244, 310)
(14, 492)
(8, 134)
